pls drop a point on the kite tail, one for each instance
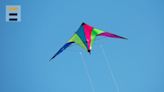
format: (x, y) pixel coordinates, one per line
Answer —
(87, 72)
(110, 69)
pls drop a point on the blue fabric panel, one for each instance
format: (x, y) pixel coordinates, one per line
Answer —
(62, 49)
(81, 34)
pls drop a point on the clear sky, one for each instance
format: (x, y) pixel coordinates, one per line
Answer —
(26, 47)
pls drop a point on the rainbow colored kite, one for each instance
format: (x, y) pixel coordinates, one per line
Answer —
(85, 37)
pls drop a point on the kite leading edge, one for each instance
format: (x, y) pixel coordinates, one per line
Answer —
(85, 37)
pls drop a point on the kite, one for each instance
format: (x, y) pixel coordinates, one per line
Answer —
(85, 37)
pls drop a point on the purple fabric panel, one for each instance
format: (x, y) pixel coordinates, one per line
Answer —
(111, 35)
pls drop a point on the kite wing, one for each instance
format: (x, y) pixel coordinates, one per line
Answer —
(106, 34)
(77, 38)
(62, 49)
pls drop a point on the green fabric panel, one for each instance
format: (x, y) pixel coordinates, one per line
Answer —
(97, 31)
(94, 33)
(75, 38)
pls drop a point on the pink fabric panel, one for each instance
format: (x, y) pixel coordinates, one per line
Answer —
(110, 35)
(88, 31)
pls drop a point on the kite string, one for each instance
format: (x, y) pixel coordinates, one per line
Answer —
(87, 72)
(110, 69)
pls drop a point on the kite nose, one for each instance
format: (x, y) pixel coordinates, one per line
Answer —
(83, 23)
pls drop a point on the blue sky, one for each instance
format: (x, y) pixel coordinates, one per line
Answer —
(26, 47)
